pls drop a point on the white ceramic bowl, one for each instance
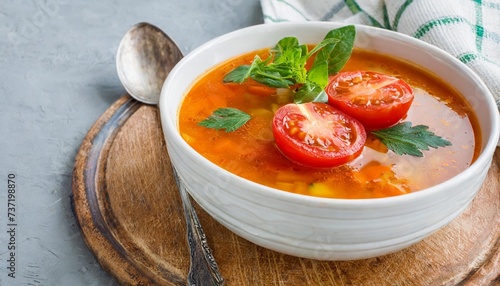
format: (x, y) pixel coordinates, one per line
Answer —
(321, 228)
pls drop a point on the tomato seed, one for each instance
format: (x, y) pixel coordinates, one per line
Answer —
(293, 130)
(357, 79)
(342, 89)
(343, 83)
(360, 100)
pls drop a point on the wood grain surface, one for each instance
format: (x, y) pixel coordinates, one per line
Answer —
(130, 214)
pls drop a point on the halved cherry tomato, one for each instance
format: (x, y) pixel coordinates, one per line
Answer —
(375, 99)
(317, 134)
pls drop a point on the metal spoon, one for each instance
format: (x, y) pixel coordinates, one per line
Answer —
(145, 57)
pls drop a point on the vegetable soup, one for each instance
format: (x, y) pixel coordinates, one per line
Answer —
(252, 153)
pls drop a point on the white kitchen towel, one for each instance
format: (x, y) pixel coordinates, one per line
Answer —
(467, 29)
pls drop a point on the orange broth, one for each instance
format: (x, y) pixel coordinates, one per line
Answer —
(250, 151)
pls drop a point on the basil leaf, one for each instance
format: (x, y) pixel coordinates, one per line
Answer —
(283, 45)
(239, 74)
(227, 118)
(322, 44)
(242, 73)
(310, 92)
(272, 79)
(319, 74)
(313, 89)
(339, 52)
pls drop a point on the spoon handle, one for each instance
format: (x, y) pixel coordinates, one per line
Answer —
(203, 268)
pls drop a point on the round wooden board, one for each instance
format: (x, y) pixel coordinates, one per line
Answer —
(130, 214)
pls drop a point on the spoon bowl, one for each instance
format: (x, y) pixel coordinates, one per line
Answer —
(144, 58)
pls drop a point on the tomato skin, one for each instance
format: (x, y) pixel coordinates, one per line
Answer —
(375, 99)
(317, 134)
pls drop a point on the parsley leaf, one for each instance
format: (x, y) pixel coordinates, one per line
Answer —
(403, 139)
(227, 118)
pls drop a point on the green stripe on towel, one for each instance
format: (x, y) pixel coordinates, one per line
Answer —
(294, 8)
(437, 22)
(355, 9)
(479, 25)
(472, 56)
(399, 13)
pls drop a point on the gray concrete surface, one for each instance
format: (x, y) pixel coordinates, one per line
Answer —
(57, 76)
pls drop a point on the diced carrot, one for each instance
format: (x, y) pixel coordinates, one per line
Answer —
(260, 89)
(300, 187)
(291, 176)
(285, 186)
(375, 144)
(375, 172)
(388, 190)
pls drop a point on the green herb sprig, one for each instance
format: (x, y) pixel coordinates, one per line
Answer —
(403, 139)
(286, 65)
(229, 119)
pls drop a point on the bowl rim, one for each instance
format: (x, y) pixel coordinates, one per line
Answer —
(484, 158)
